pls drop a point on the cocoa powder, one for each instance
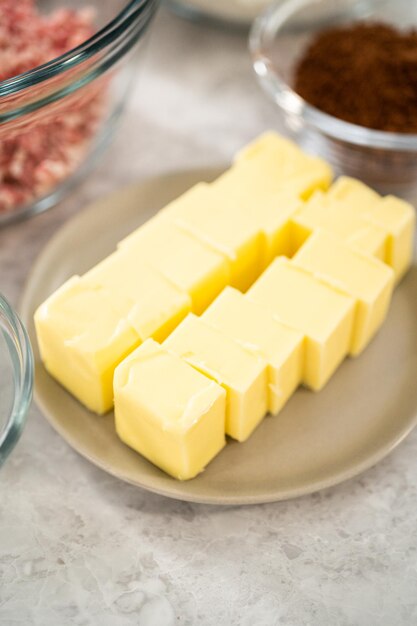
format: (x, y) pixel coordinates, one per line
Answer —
(365, 74)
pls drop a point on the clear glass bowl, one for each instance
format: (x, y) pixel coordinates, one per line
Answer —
(384, 160)
(74, 100)
(16, 378)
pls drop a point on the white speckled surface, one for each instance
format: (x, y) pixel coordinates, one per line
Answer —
(77, 547)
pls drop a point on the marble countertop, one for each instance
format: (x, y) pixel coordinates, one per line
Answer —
(78, 547)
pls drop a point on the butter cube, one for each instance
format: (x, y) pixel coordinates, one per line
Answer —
(151, 303)
(398, 219)
(240, 372)
(274, 163)
(353, 192)
(395, 217)
(81, 339)
(255, 329)
(200, 212)
(392, 216)
(192, 266)
(323, 314)
(168, 412)
(363, 277)
(270, 213)
(321, 211)
(91, 323)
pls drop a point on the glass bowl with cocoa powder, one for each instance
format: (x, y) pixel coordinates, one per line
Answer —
(343, 74)
(66, 67)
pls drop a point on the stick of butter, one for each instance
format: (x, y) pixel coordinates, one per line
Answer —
(255, 329)
(324, 314)
(242, 373)
(167, 411)
(363, 277)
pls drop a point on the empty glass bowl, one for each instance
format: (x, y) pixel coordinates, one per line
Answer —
(384, 160)
(16, 378)
(55, 119)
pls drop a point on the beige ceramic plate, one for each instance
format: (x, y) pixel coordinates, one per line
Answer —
(318, 440)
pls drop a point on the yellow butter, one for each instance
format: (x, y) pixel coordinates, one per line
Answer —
(398, 218)
(82, 338)
(322, 313)
(241, 195)
(91, 323)
(200, 213)
(352, 191)
(153, 305)
(275, 163)
(395, 217)
(223, 233)
(320, 211)
(242, 373)
(194, 267)
(363, 277)
(256, 330)
(167, 411)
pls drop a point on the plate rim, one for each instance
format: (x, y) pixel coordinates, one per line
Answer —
(25, 311)
(238, 500)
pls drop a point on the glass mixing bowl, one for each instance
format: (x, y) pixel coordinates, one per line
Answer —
(55, 119)
(384, 160)
(16, 378)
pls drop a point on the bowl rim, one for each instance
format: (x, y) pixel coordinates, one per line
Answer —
(22, 364)
(264, 30)
(113, 30)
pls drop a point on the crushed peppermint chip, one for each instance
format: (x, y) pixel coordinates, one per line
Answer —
(40, 149)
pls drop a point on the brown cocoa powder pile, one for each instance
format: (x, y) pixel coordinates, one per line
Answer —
(365, 74)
